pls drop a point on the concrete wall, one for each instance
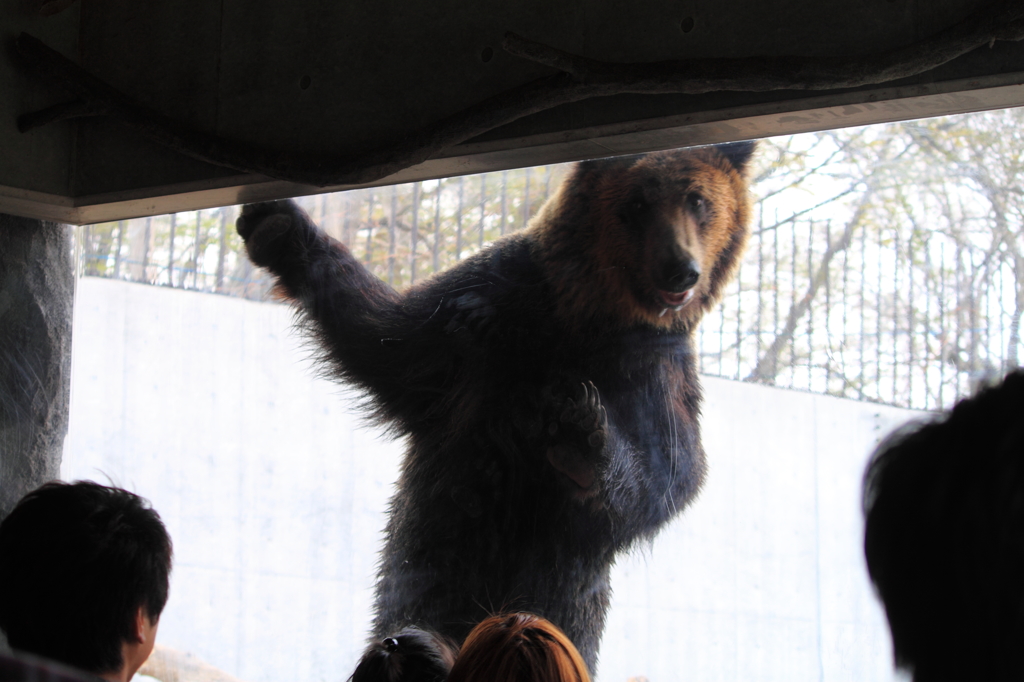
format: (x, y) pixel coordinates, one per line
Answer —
(763, 578)
(275, 496)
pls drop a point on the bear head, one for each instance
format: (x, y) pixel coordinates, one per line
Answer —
(649, 240)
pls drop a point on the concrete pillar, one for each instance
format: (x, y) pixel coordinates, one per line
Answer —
(36, 295)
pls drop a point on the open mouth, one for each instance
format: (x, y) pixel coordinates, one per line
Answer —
(675, 300)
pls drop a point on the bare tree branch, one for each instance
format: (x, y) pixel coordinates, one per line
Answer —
(805, 211)
(1000, 20)
(812, 172)
(364, 167)
(768, 364)
(59, 112)
(578, 79)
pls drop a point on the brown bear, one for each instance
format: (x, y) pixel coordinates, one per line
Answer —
(547, 386)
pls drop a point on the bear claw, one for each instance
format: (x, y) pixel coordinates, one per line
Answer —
(580, 433)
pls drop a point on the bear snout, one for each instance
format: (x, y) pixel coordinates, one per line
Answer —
(678, 276)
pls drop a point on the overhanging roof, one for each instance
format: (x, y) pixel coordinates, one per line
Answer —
(344, 77)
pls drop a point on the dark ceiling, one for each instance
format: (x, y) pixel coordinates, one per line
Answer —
(340, 78)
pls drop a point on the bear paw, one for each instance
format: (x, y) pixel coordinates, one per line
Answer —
(579, 430)
(265, 229)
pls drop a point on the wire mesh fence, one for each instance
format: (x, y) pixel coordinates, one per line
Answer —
(402, 233)
(854, 296)
(909, 319)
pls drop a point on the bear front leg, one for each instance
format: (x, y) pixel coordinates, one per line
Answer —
(352, 309)
(358, 320)
(578, 432)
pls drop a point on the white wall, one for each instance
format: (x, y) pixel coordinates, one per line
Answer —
(763, 577)
(274, 497)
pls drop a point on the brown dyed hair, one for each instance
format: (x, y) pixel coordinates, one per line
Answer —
(519, 647)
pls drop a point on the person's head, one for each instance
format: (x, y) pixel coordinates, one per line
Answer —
(84, 572)
(412, 655)
(518, 647)
(944, 538)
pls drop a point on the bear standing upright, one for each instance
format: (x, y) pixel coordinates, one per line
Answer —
(547, 386)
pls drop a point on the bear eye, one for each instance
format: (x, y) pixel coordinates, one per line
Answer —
(697, 205)
(637, 208)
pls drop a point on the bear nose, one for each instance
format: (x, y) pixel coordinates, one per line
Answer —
(683, 276)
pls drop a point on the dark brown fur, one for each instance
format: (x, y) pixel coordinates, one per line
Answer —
(547, 385)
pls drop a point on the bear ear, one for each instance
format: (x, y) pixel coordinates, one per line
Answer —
(738, 153)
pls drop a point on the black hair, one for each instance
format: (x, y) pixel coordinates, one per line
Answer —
(412, 655)
(944, 538)
(77, 561)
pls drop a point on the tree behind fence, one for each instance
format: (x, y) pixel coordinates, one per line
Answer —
(885, 262)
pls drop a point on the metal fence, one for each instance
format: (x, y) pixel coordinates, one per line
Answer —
(891, 312)
(909, 318)
(197, 250)
(402, 233)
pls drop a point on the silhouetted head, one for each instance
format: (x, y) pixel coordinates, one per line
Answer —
(77, 563)
(944, 538)
(412, 655)
(520, 647)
